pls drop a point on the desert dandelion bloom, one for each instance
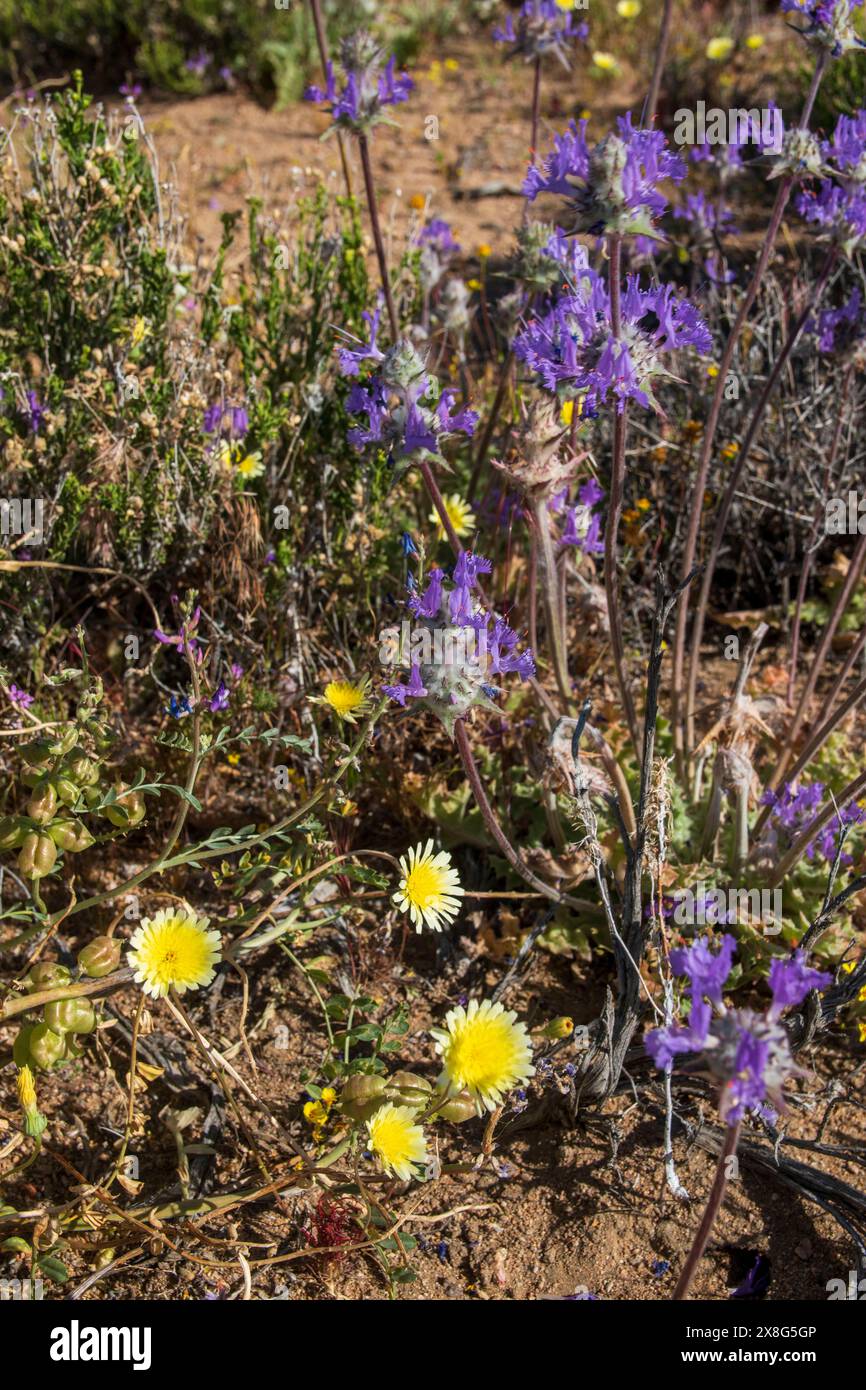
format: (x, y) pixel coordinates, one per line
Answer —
(460, 514)
(429, 889)
(396, 1140)
(250, 465)
(173, 950)
(484, 1050)
(346, 698)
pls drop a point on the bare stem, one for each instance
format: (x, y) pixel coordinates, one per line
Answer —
(378, 242)
(714, 1202)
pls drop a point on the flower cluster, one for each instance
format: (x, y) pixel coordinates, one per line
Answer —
(749, 1053)
(460, 647)
(541, 27)
(842, 329)
(613, 186)
(574, 352)
(368, 88)
(707, 219)
(840, 210)
(582, 527)
(792, 811)
(829, 23)
(437, 249)
(406, 412)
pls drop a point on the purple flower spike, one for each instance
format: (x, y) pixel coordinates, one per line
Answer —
(541, 27)
(368, 88)
(791, 980)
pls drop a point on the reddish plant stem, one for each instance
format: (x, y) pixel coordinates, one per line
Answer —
(424, 466)
(681, 738)
(809, 556)
(727, 502)
(322, 44)
(711, 1211)
(497, 834)
(649, 107)
(617, 491)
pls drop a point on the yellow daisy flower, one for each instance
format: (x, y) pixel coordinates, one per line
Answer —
(485, 1051)
(396, 1140)
(26, 1089)
(628, 9)
(485, 251)
(719, 49)
(250, 465)
(139, 332)
(862, 1028)
(418, 202)
(605, 62)
(346, 698)
(566, 415)
(754, 41)
(430, 889)
(173, 950)
(460, 514)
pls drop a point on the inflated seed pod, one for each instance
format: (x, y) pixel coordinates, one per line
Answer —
(128, 810)
(13, 831)
(37, 856)
(457, 1108)
(362, 1096)
(21, 1046)
(70, 835)
(100, 956)
(70, 1016)
(43, 803)
(82, 770)
(68, 791)
(47, 974)
(63, 745)
(46, 1047)
(405, 1088)
(37, 753)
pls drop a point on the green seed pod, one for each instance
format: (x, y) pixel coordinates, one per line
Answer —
(13, 831)
(405, 1088)
(82, 770)
(43, 803)
(70, 1016)
(47, 974)
(457, 1108)
(46, 1046)
(128, 810)
(38, 753)
(100, 956)
(362, 1095)
(64, 745)
(21, 1046)
(37, 856)
(92, 797)
(70, 835)
(29, 779)
(67, 790)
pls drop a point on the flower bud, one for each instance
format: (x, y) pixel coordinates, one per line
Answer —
(127, 810)
(43, 803)
(457, 1108)
(46, 1046)
(34, 1123)
(47, 974)
(37, 856)
(70, 835)
(362, 1095)
(558, 1028)
(405, 1088)
(100, 956)
(70, 1016)
(13, 831)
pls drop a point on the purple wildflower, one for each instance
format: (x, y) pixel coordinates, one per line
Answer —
(791, 979)
(35, 412)
(613, 186)
(541, 27)
(199, 62)
(19, 698)
(829, 23)
(185, 640)
(573, 351)
(368, 88)
(839, 209)
(220, 698)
